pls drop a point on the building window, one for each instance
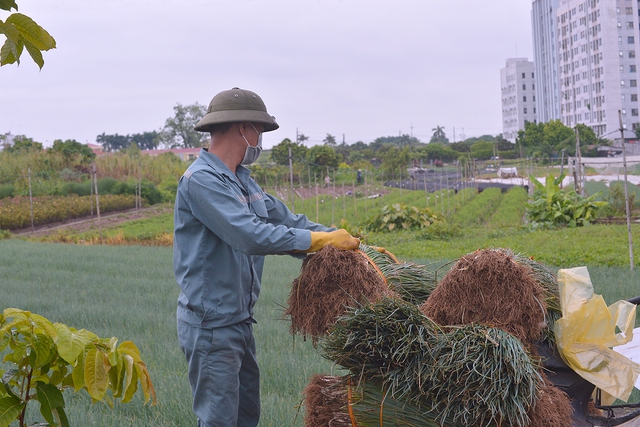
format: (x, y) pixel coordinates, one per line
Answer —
(630, 40)
(619, 24)
(630, 25)
(525, 110)
(619, 39)
(632, 68)
(523, 76)
(634, 111)
(634, 97)
(632, 54)
(524, 99)
(533, 86)
(524, 87)
(534, 110)
(633, 83)
(622, 54)
(629, 10)
(621, 82)
(532, 76)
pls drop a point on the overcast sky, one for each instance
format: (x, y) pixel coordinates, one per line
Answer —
(357, 69)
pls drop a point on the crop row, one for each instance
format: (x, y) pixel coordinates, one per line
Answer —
(15, 212)
(479, 209)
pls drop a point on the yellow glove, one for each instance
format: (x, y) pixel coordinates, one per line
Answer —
(340, 239)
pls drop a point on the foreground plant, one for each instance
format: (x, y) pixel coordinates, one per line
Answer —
(47, 358)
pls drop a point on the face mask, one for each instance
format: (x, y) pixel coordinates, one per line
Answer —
(251, 154)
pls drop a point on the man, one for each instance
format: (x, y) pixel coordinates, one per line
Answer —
(224, 226)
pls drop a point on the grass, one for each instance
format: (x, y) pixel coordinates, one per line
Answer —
(129, 292)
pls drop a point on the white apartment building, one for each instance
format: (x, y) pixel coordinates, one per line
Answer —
(545, 58)
(598, 48)
(518, 87)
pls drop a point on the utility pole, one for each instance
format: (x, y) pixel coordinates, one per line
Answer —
(293, 194)
(626, 192)
(577, 175)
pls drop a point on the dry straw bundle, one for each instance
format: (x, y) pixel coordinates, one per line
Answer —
(490, 287)
(331, 281)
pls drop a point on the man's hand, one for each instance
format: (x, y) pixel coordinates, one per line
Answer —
(339, 239)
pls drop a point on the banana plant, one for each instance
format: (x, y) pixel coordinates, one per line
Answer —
(554, 205)
(45, 358)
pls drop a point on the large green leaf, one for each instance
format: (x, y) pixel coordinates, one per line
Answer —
(8, 4)
(31, 32)
(96, 370)
(50, 399)
(70, 343)
(10, 409)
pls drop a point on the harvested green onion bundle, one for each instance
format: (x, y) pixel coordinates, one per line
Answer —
(490, 287)
(333, 401)
(468, 375)
(329, 283)
(411, 281)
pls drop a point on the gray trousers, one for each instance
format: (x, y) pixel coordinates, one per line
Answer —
(223, 373)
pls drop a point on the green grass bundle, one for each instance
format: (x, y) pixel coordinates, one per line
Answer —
(412, 281)
(335, 401)
(471, 375)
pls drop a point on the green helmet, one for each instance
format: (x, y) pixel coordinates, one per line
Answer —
(237, 105)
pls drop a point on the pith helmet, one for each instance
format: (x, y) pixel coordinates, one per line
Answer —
(237, 105)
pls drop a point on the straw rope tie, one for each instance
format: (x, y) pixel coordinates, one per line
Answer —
(349, 404)
(373, 264)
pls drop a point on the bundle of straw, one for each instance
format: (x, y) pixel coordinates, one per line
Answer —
(330, 282)
(326, 402)
(471, 375)
(490, 287)
(412, 281)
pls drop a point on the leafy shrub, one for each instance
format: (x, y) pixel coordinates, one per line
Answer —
(168, 188)
(47, 358)
(554, 205)
(402, 216)
(7, 190)
(440, 230)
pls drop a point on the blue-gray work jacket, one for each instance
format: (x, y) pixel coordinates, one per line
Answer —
(224, 225)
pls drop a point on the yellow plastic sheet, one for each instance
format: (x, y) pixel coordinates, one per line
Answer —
(587, 331)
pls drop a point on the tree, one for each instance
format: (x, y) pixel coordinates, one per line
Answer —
(302, 138)
(145, 140)
(21, 144)
(395, 159)
(72, 148)
(113, 142)
(329, 140)
(482, 150)
(322, 157)
(439, 135)
(178, 130)
(280, 153)
(437, 152)
(21, 33)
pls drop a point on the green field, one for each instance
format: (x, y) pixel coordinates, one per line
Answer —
(129, 292)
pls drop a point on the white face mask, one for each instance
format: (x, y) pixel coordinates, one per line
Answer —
(251, 154)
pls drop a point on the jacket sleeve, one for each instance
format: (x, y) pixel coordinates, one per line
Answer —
(214, 203)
